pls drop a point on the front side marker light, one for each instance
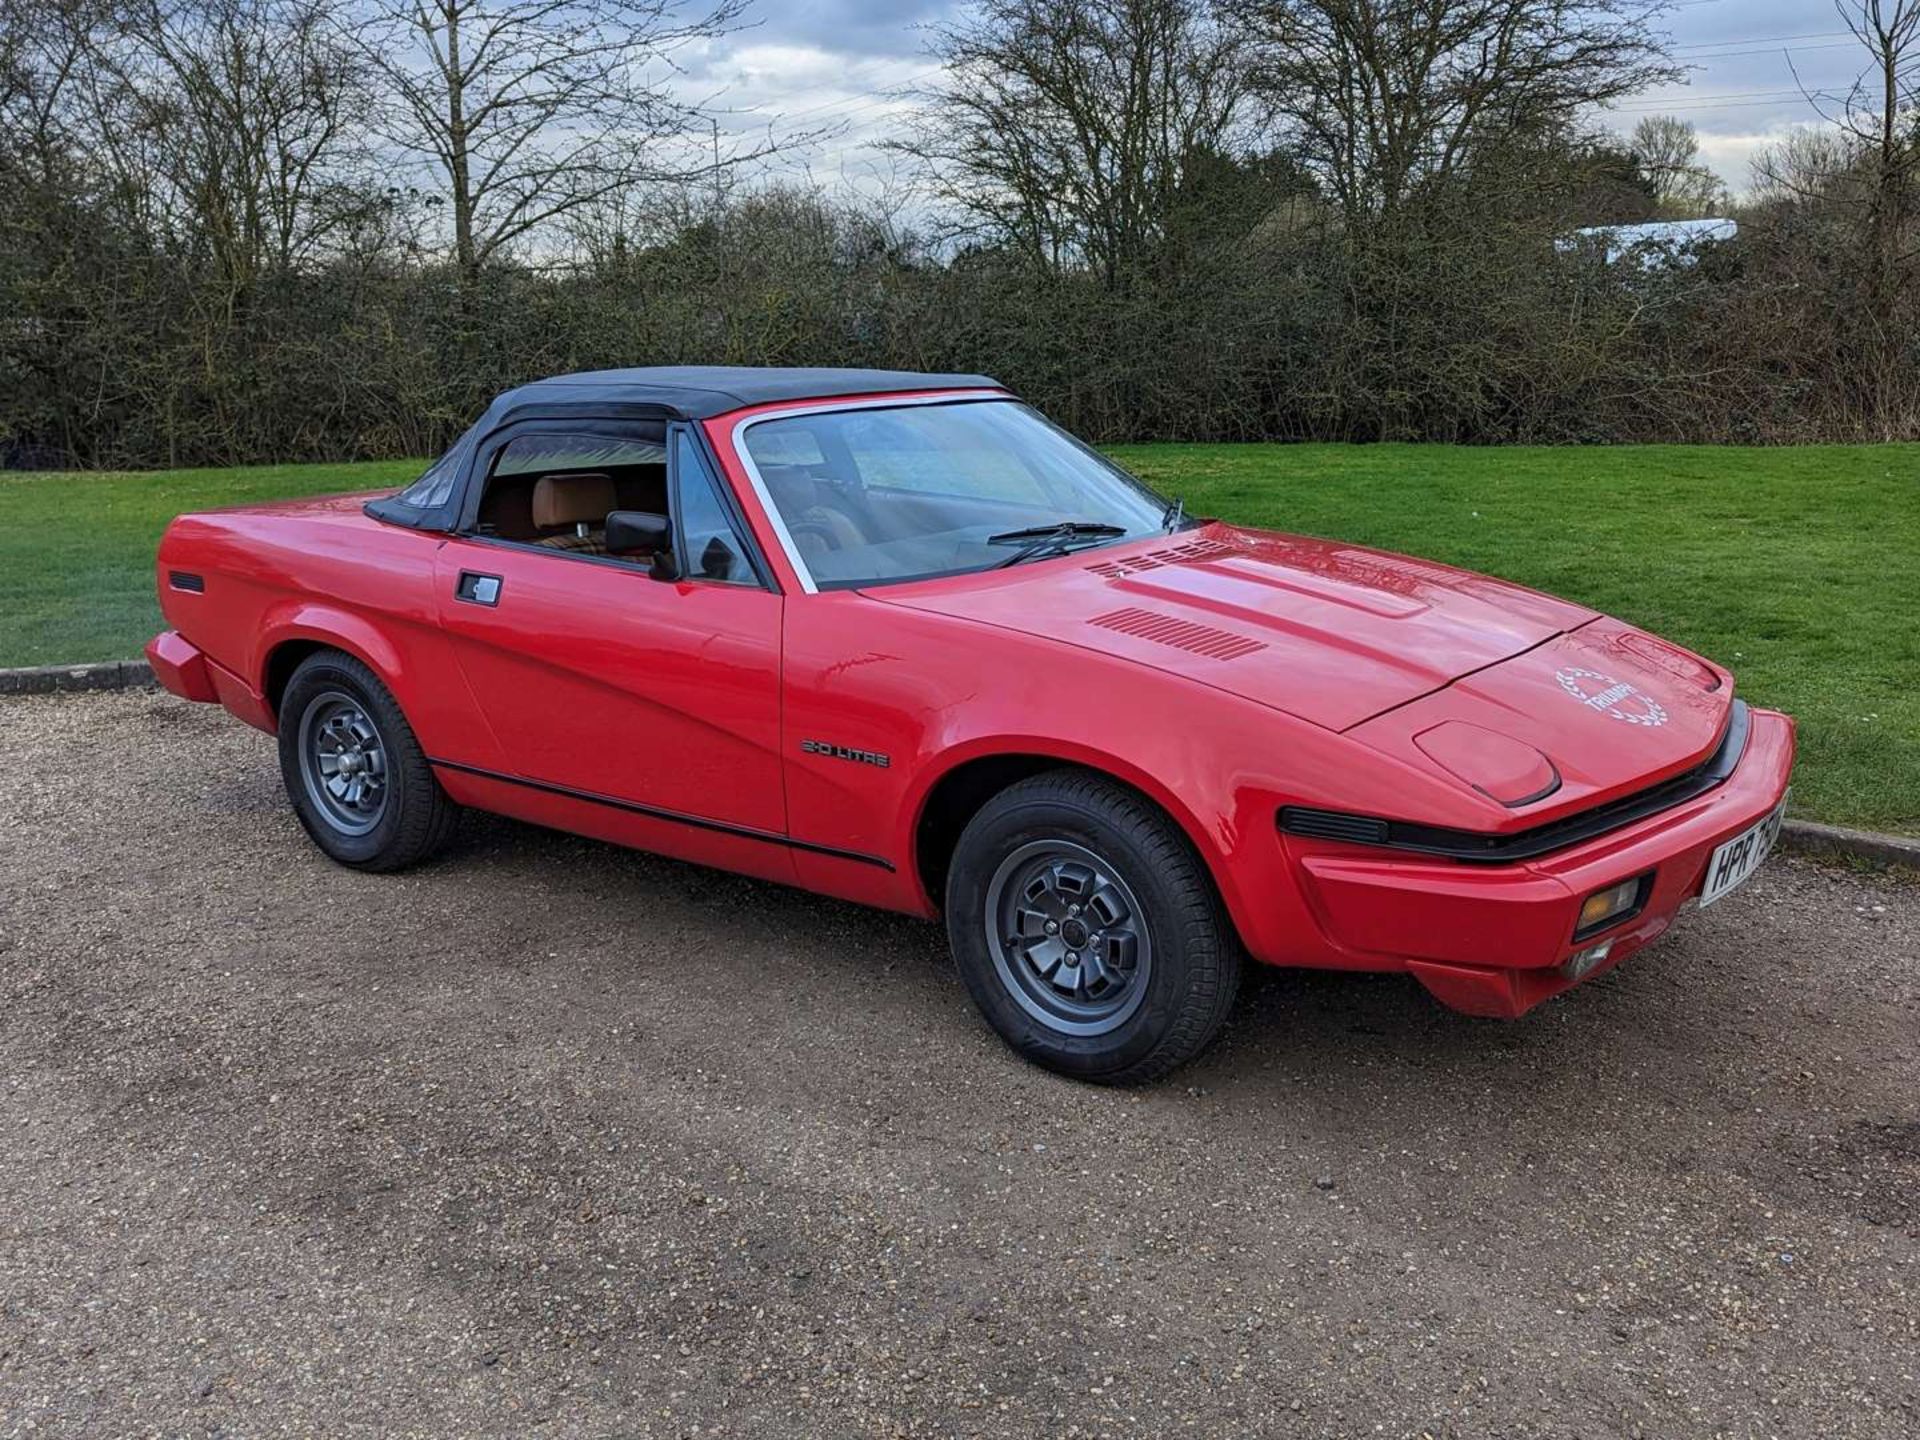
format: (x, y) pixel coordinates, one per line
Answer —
(1604, 907)
(1605, 904)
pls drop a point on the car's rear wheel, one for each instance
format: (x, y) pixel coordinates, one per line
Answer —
(356, 775)
(1088, 931)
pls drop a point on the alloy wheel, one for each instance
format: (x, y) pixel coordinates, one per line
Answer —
(1068, 937)
(343, 761)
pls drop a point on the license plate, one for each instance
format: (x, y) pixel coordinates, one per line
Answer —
(1733, 863)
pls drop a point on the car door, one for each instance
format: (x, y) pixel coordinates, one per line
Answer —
(597, 677)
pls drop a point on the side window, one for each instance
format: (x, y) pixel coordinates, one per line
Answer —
(555, 488)
(708, 537)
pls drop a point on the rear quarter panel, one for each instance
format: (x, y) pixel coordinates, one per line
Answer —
(320, 572)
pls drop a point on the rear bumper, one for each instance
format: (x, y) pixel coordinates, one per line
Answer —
(179, 666)
(189, 672)
(1492, 939)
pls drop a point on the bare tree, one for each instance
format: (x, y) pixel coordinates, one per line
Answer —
(528, 110)
(1383, 97)
(1870, 157)
(1880, 112)
(45, 52)
(243, 111)
(16, 55)
(1812, 166)
(1066, 128)
(1668, 152)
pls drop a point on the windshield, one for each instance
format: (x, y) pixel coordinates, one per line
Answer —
(903, 492)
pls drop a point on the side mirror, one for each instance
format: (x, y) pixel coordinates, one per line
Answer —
(629, 531)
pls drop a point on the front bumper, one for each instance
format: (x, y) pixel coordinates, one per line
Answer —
(1491, 939)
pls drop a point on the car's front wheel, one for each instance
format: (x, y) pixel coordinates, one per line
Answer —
(356, 775)
(1088, 930)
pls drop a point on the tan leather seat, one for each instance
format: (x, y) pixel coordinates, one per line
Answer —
(578, 502)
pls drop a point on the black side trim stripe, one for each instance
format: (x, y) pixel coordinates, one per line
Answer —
(1485, 848)
(653, 812)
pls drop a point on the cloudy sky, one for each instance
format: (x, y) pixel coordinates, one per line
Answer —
(829, 65)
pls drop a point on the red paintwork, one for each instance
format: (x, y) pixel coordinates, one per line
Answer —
(1222, 672)
(1509, 770)
(180, 667)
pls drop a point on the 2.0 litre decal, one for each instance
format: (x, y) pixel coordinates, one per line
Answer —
(845, 752)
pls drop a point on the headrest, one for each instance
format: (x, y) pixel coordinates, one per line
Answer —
(791, 484)
(570, 499)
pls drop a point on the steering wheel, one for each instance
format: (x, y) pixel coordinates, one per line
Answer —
(819, 530)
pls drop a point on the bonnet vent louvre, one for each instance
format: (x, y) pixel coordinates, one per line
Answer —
(1192, 551)
(1180, 634)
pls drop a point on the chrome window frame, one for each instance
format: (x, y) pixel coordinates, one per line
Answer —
(737, 438)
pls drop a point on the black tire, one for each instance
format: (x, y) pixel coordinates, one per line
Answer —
(1070, 833)
(397, 822)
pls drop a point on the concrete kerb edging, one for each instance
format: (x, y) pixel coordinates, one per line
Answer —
(1807, 836)
(1810, 837)
(57, 679)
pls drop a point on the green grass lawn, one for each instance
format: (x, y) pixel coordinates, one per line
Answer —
(76, 549)
(1797, 568)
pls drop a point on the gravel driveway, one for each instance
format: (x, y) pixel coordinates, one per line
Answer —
(551, 1138)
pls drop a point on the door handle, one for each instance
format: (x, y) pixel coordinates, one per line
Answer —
(477, 589)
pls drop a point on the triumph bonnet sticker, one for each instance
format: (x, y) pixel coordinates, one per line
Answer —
(1611, 697)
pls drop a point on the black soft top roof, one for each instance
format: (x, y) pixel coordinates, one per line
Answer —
(699, 392)
(656, 393)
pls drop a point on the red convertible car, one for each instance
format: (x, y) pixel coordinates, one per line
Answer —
(896, 638)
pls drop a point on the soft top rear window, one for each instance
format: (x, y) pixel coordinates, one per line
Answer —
(534, 454)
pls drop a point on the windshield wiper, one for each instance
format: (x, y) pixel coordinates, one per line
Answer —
(1044, 539)
(1174, 516)
(1066, 528)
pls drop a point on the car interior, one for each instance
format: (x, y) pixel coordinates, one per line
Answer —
(822, 515)
(862, 496)
(539, 492)
(850, 515)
